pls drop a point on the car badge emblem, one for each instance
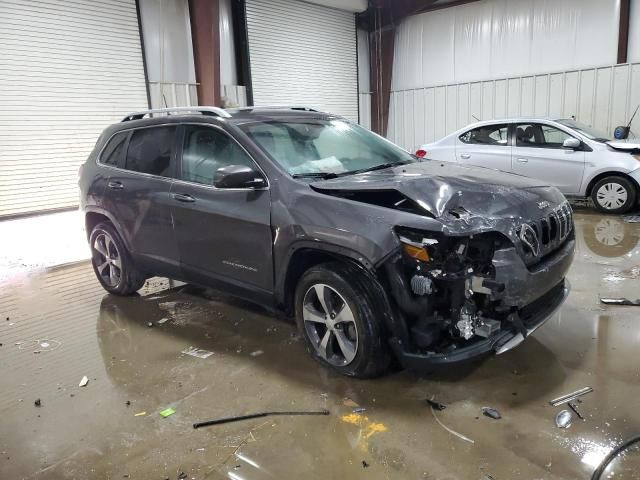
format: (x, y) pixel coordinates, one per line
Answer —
(530, 238)
(543, 204)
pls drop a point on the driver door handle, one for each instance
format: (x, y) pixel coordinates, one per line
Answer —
(466, 156)
(115, 185)
(523, 160)
(184, 197)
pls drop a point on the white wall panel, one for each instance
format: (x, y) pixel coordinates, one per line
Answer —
(502, 38)
(68, 69)
(603, 97)
(634, 32)
(303, 54)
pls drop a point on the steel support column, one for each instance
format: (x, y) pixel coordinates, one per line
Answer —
(205, 35)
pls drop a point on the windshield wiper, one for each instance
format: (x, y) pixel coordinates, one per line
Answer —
(322, 175)
(376, 167)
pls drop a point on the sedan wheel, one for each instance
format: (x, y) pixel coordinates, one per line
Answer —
(330, 325)
(108, 259)
(612, 195)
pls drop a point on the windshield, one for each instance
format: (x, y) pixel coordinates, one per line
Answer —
(589, 132)
(325, 148)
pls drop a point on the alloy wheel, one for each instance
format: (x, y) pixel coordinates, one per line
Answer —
(107, 259)
(612, 195)
(330, 324)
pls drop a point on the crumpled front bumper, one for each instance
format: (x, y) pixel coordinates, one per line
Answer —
(533, 316)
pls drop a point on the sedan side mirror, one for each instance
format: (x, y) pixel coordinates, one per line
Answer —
(572, 143)
(238, 176)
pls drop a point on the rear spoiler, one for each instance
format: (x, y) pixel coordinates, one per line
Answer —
(625, 146)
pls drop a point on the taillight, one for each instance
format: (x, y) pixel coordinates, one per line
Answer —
(421, 153)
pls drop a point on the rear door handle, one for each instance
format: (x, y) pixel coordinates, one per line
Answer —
(523, 160)
(466, 156)
(184, 197)
(115, 185)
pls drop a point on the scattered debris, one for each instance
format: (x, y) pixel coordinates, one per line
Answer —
(347, 402)
(182, 476)
(167, 412)
(359, 410)
(150, 324)
(365, 464)
(83, 382)
(255, 415)
(37, 403)
(570, 396)
(613, 454)
(631, 218)
(127, 403)
(563, 419)
(620, 301)
(452, 432)
(256, 353)
(573, 407)
(197, 352)
(436, 405)
(140, 414)
(491, 413)
(39, 345)
(162, 320)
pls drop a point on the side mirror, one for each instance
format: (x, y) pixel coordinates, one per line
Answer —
(572, 143)
(238, 176)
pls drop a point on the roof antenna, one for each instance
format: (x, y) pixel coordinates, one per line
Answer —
(477, 119)
(164, 99)
(622, 133)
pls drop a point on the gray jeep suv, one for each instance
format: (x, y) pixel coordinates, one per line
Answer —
(378, 255)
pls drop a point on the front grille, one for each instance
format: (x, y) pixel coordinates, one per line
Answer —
(539, 238)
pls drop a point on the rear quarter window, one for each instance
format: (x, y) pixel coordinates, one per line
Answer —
(113, 153)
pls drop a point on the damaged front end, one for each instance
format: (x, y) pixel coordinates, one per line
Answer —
(461, 297)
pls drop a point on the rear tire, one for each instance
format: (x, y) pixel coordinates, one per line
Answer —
(337, 318)
(112, 262)
(614, 194)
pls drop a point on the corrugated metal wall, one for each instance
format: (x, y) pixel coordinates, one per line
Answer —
(303, 54)
(603, 97)
(67, 70)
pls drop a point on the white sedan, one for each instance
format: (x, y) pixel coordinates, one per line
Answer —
(577, 159)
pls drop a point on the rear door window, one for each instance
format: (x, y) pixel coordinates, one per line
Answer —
(113, 153)
(151, 151)
(487, 135)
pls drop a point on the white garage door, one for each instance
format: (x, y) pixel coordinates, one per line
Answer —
(303, 54)
(68, 68)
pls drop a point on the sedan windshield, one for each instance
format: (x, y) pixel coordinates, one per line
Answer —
(589, 132)
(325, 148)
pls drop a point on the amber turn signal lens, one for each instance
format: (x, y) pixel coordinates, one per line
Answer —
(419, 253)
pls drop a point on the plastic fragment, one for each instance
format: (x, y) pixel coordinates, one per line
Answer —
(436, 405)
(37, 403)
(167, 412)
(491, 413)
(256, 353)
(197, 352)
(140, 414)
(83, 382)
(563, 419)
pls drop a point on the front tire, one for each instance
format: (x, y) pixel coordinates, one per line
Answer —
(337, 318)
(614, 194)
(112, 262)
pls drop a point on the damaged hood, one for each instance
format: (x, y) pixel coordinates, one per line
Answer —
(625, 146)
(445, 189)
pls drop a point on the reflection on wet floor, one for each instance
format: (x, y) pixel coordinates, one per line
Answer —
(59, 325)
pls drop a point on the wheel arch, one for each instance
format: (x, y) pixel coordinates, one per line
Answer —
(609, 173)
(94, 216)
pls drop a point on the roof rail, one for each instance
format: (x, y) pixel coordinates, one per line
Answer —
(276, 107)
(217, 111)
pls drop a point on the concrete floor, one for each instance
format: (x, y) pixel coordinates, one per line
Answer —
(60, 325)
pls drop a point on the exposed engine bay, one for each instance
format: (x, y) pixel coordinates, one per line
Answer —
(446, 288)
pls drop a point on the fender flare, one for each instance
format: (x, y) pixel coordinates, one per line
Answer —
(112, 219)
